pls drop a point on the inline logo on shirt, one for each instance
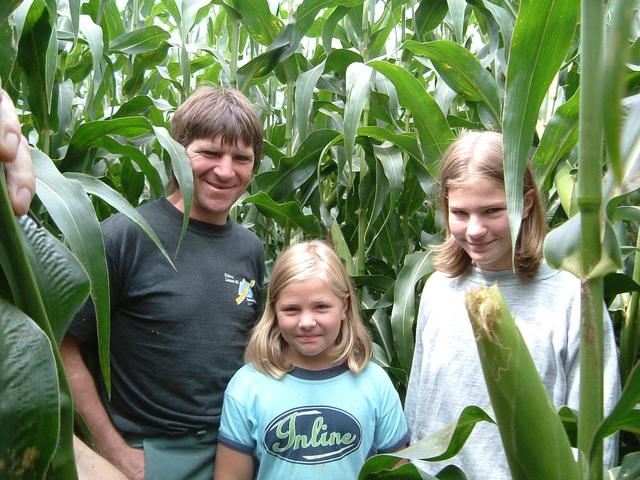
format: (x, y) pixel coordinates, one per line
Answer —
(245, 289)
(313, 435)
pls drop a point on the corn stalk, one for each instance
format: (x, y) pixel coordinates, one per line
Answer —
(590, 208)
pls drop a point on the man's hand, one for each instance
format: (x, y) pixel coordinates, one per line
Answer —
(130, 461)
(14, 152)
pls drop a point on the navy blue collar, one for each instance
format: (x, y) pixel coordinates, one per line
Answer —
(325, 374)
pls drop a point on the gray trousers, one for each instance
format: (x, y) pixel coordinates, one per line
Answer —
(187, 457)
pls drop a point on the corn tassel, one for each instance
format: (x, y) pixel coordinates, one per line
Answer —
(534, 440)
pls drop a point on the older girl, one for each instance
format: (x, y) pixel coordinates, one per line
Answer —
(446, 375)
(309, 404)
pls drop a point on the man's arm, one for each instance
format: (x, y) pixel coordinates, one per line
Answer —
(92, 466)
(232, 465)
(107, 440)
(14, 153)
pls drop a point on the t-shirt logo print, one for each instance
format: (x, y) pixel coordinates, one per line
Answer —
(312, 435)
(245, 291)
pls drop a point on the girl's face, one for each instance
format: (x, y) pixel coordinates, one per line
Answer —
(478, 221)
(309, 317)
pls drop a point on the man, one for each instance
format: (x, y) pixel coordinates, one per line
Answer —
(177, 336)
(14, 152)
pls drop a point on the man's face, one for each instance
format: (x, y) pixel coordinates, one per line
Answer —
(221, 174)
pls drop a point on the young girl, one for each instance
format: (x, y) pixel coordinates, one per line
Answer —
(309, 404)
(446, 375)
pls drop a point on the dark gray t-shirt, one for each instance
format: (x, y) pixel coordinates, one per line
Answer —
(177, 336)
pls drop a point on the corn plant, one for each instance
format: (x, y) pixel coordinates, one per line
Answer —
(359, 99)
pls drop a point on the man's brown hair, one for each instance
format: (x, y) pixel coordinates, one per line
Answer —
(212, 112)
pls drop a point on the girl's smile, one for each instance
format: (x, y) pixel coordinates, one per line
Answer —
(479, 223)
(310, 317)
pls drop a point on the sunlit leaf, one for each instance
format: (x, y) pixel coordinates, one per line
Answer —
(93, 186)
(622, 16)
(72, 212)
(416, 266)
(305, 85)
(358, 88)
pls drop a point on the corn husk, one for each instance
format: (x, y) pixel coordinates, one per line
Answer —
(533, 437)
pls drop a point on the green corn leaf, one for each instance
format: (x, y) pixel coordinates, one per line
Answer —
(305, 85)
(560, 136)
(149, 171)
(534, 440)
(295, 170)
(358, 88)
(181, 166)
(374, 184)
(93, 34)
(456, 16)
(74, 10)
(448, 441)
(460, 69)
(7, 8)
(86, 134)
(139, 41)
(342, 248)
(284, 213)
(63, 283)
(72, 212)
(541, 38)
(433, 131)
(405, 141)
(625, 415)
(330, 25)
(630, 143)
(260, 23)
(563, 250)
(38, 44)
(8, 50)
(112, 21)
(617, 51)
(51, 64)
(390, 158)
(93, 186)
(140, 105)
(630, 467)
(381, 325)
(416, 266)
(30, 418)
(438, 446)
(384, 467)
(429, 14)
(505, 20)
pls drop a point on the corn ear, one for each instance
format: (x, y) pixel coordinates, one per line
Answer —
(534, 440)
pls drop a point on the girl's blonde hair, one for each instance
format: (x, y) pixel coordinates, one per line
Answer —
(480, 154)
(266, 348)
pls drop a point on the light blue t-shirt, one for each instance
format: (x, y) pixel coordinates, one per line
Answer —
(312, 424)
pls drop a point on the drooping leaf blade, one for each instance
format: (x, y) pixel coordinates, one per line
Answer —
(541, 38)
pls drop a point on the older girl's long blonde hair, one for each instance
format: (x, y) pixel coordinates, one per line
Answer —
(315, 259)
